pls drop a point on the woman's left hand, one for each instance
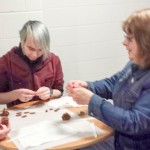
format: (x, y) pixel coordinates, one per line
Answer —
(81, 95)
(43, 93)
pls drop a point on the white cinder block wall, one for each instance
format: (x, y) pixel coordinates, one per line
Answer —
(86, 34)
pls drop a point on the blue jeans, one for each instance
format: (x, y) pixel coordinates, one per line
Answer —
(107, 144)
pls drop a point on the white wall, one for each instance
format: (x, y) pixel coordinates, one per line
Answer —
(86, 34)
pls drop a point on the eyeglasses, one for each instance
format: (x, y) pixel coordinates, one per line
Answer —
(128, 37)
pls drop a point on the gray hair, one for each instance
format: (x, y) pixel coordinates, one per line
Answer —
(39, 32)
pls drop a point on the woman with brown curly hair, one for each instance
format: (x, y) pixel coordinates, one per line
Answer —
(129, 89)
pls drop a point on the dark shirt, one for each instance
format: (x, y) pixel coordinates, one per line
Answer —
(17, 71)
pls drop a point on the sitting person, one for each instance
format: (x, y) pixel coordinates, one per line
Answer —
(30, 71)
(129, 89)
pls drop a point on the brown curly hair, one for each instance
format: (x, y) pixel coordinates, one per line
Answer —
(138, 25)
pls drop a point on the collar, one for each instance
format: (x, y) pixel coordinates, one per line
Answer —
(33, 63)
(138, 72)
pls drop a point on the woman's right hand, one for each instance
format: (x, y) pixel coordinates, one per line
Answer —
(4, 130)
(24, 95)
(75, 84)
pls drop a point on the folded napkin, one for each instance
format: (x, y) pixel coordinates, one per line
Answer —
(54, 132)
(63, 102)
(43, 132)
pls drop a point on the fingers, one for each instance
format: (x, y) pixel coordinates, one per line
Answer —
(26, 95)
(43, 93)
(70, 86)
(81, 95)
(4, 132)
(8, 126)
(75, 84)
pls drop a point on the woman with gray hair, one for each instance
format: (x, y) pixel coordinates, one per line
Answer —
(129, 89)
(30, 71)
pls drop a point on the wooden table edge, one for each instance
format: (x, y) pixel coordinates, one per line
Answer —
(68, 146)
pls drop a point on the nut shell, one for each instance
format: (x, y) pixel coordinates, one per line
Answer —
(82, 113)
(4, 112)
(66, 116)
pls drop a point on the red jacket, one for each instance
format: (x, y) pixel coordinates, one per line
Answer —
(16, 73)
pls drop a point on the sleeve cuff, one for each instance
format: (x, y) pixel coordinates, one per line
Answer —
(94, 107)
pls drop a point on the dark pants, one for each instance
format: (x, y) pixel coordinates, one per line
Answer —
(107, 144)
